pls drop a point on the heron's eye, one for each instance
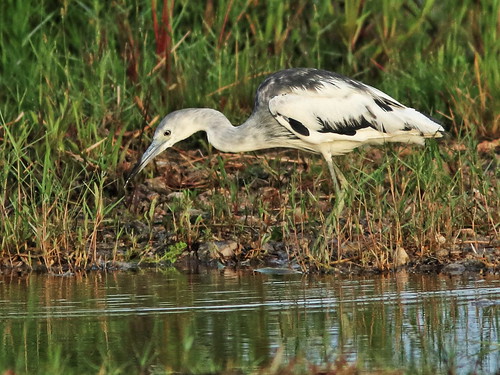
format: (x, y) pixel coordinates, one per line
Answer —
(167, 133)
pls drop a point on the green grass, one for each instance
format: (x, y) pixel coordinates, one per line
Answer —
(80, 80)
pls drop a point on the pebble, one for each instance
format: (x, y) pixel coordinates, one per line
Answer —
(217, 249)
(277, 271)
(456, 268)
(400, 257)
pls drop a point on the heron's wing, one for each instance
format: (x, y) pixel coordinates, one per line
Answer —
(343, 111)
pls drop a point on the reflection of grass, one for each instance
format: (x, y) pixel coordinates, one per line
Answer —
(74, 325)
(78, 83)
(57, 364)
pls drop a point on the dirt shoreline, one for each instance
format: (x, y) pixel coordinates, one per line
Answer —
(218, 255)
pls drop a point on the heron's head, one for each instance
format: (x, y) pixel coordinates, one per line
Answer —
(174, 127)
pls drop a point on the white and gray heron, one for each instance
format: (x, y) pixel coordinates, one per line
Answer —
(306, 109)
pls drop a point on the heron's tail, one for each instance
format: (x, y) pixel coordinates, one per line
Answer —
(427, 126)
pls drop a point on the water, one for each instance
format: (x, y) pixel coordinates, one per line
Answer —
(156, 320)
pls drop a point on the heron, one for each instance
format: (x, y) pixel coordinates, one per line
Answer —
(302, 108)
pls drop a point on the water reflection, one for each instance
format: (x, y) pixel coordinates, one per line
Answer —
(211, 320)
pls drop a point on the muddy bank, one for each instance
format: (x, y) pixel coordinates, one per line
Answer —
(276, 258)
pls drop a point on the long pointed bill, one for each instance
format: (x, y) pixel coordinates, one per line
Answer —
(153, 150)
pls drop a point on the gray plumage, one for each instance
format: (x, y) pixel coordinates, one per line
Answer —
(308, 109)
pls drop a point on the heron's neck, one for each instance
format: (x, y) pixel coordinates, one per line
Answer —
(228, 138)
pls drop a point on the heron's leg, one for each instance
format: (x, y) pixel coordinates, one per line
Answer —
(332, 222)
(332, 167)
(337, 175)
(340, 189)
(340, 176)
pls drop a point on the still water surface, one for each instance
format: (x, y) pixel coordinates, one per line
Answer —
(213, 320)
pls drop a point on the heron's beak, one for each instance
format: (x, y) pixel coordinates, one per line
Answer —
(153, 150)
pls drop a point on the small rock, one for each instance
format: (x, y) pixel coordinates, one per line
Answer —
(157, 185)
(175, 195)
(267, 247)
(125, 266)
(427, 268)
(217, 249)
(467, 232)
(442, 253)
(249, 220)
(277, 271)
(440, 239)
(194, 212)
(454, 268)
(474, 265)
(228, 249)
(300, 215)
(400, 257)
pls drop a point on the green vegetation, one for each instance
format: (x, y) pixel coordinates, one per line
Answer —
(79, 81)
